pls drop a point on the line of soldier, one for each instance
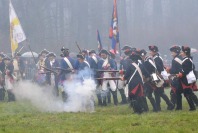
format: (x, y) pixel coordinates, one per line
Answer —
(11, 70)
(145, 74)
(141, 74)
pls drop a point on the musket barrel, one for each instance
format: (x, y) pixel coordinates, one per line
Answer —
(113, 78)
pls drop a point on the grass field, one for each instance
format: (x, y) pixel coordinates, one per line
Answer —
(20, 117)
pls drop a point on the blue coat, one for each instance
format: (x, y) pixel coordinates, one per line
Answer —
(64, 65)
(48, 75)
(135, 86)
(187, 66)
(111, 63)
(159, 63)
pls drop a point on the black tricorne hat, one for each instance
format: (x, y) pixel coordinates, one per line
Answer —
(141, 52)
(103, 51)
(84, 51)
(44, 51)
(51, 54)
(134, 56)
(126, 47)
(92, 51)
(153, 48)
(175, 49)
(80, 56)
(186, 49)
(64, 49)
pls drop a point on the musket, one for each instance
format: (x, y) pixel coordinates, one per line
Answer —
(44, 72)
(107, 70)
(31, 52)
(112, 78)
(20, 49)
(78, 47)
(69, 70)
(49, 69)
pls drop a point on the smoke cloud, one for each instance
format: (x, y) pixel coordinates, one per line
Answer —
(80, 94)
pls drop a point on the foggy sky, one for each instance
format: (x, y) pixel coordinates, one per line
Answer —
(51, 24)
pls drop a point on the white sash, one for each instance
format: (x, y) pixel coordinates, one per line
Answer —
(87, 63)
(138, 69)
(95, 59)
(178, 60)
(152, 63)
(106, 61)
(68, 63)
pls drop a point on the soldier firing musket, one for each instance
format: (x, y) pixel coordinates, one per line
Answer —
(107, 64)
(66, 63)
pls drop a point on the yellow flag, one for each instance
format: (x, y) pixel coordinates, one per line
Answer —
(16, 32)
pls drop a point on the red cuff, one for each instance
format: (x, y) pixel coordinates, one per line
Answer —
(180, 75)
(168, 69)
(121, 72)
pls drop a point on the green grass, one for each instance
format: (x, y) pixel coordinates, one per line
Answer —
(18, 117)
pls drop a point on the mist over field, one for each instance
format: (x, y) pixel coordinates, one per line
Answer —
(51, 24)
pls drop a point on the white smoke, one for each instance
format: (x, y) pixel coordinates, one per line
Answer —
(80, 95)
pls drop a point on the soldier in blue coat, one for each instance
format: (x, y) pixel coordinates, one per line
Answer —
(52, 78)
(134, 78)
(93, 61)
(176, 88)
(105, 63)
(187, 85)
(159, 91)
(67, 66)
(149, 69)
(123, 66)
(66, 63)
(83, 63)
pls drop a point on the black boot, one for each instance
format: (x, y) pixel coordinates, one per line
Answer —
(2, 94)
(168, 102)
(179, 102)
(157, 101)
(191, 103)
(109, 97)
(104, 102)
(123, 96)
(173, 98)
(115, 98)
(153, 103)
(136, 106)
(99, 99)
(194, 98)
(144, 104)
